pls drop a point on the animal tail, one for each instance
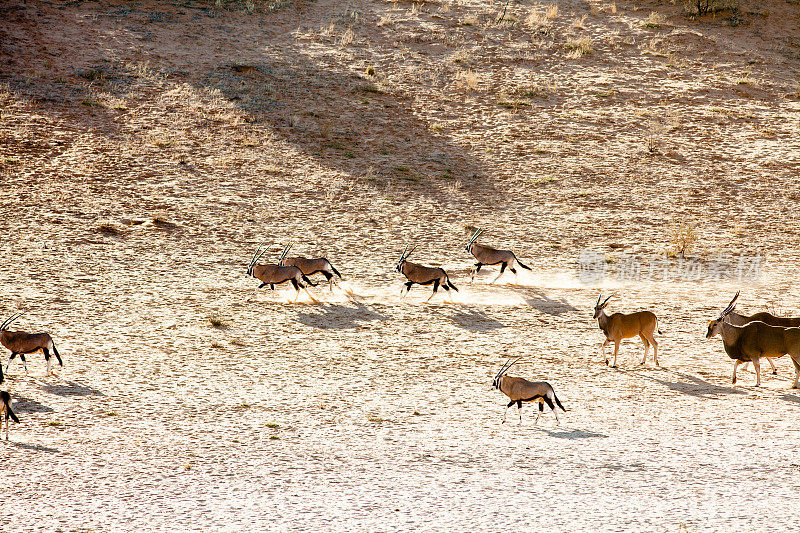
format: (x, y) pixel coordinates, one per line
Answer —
(305, 278)
(526, 267)
(450, 284)
(558, 403)
(55, 352)
(334, 270)
(7, 402)
(658, 330)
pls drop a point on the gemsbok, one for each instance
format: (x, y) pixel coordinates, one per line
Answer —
(767, 318)
(491, 256)
(271, 274)
(422, 275)
(310, 267)
(5, 411)
(521, 390)
(754, 341)
(621, 326)
(21, 343)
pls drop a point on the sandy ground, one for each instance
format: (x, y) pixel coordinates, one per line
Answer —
(146, 148)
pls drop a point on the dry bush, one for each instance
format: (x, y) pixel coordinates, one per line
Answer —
(579, 23)
(469, 78)
(683, 236)
(469, 20)
(348, 37)
(578, 47)
(551, 12)
(538, 22)
(704, 7)
(655, 20)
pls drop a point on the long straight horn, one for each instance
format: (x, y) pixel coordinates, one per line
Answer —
(512, 364)
(503, 367)
(598, 299)
(403, 255)
(285, 251)
(409, 252)
(607, 299)
(474, 236)
(253, 259)
(265, 250)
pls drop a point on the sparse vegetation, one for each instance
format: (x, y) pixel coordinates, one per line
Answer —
(216, 320)
(578, 47)
(705, 7)
(683, 236)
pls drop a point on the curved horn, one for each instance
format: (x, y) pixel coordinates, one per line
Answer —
(11, 319)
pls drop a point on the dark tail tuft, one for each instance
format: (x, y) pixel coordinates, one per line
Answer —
(60, 362)
(309, 281)
(526, 267)
(558, 403)
(5, 397)
(450, 284)
(659, 332)
(334, 270)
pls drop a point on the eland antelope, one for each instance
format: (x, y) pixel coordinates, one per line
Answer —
(620, 326)
(767, 318)
(491, 256)
(271, 274)
(422, 275)
(521, 390)
(21, 343)
(310, 267)
(754, 341)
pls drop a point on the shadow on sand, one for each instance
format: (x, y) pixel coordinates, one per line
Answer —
(71, 388)
(475, 320)
(336, 316)
(547, 305)
(26, 405)
(572, 434)
(34, 447)
(692, 385)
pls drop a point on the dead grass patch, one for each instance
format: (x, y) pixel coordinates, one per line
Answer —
(579, 47)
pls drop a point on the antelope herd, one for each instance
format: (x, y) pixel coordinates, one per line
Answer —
(745, 338)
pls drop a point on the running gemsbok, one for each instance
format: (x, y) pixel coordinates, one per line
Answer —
(270, 274)
(21, 343)
(491, 256)
(754, 341)
(621, 326)
(310, 267)
(767, 318)
(521, 390)
(422, 275)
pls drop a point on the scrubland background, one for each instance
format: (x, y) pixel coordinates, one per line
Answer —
(146, 148)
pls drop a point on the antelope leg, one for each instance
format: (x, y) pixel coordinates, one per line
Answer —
(757, 367)
(735, 364)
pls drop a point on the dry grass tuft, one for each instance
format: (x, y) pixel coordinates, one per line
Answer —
(683, 236)
(110, 229)
(655, 20)
(551, 12)
(579, 47)
(469, 78)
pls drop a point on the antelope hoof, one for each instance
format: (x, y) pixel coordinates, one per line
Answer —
(774, 372)
(613, 366)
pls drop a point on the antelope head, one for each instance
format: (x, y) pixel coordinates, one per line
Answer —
(256, 257)
(715, 326)
(284, 252)
(9, 320)
(503, 370)
(473, 239)
(598, 307)
(403, 257)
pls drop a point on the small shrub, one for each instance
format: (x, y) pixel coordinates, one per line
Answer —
(699, 8)
(683, 236)
(217, 321)
(578, 47)
(551, 12)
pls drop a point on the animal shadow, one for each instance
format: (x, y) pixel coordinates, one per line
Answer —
(35, 447)
(693, 386)
(26, 405)
(572, 434)
(335, 316)
(547, 305)
(475, 320)
(71, 388)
